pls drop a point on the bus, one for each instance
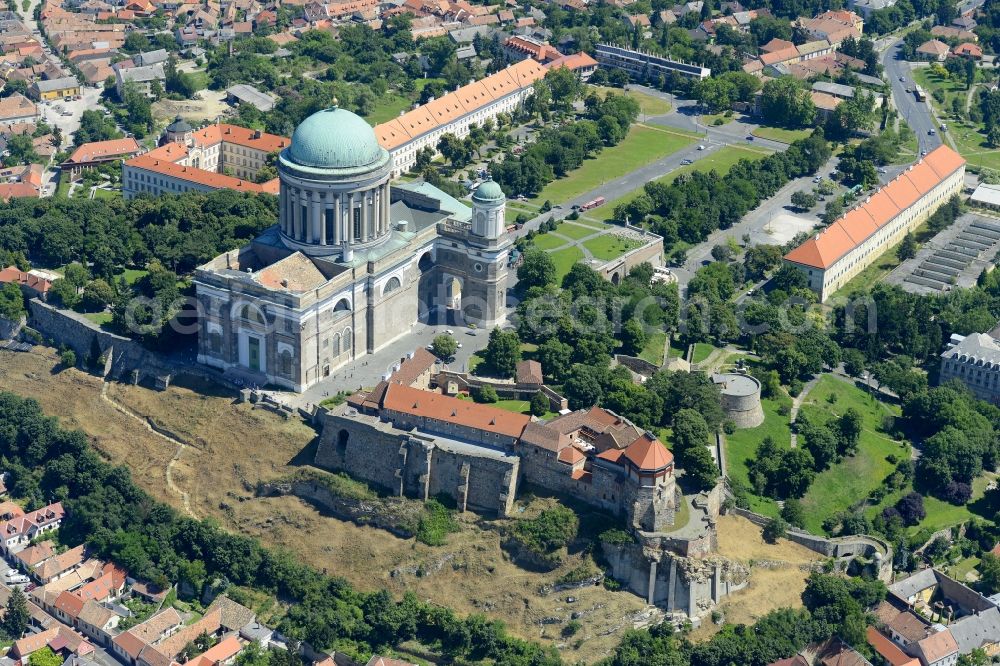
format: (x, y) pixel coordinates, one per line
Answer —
(919, 93)
(593, 203)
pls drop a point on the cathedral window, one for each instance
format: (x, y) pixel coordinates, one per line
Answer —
(357, 224)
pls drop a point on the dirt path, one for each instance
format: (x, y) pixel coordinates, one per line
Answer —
(796, 403)
(181, 447)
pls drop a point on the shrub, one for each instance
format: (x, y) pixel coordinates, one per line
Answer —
(436, 524)
(611, 584)
(616, 537)
(551, 530)
(539, 404)
(571, 628)
(775, 530)
(728, 427)
(485, 394)
(68, 358)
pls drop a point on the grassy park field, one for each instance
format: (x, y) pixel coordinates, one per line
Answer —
(642, 146)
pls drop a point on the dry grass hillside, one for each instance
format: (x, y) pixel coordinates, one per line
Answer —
(778, 573)
(233, 447)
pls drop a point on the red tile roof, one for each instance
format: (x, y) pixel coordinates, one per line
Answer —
(12, 274)
(97, 150)
(649, 454)
(437, 407)
(888, 650)
(846, 233)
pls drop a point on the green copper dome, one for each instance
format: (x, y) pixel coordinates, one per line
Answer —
(488, 191)
(335, 139)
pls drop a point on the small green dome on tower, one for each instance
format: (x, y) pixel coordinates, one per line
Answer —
(335, 138)
(488, 191)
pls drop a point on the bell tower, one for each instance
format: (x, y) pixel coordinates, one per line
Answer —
(488, 206)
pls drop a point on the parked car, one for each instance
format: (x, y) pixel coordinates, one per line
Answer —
(19, 579)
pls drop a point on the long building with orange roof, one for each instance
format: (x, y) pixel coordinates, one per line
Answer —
(455, 112)
(215, 157)
(851, 243)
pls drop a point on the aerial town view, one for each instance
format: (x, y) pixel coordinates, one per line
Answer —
(499, 332)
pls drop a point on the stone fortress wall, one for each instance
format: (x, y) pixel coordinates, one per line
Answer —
(417, 465)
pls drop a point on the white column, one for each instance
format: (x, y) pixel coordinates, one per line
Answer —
(282, 218)
(322, 222)
(350, 219)
(338, 234)
(366, 231)
(317, 221)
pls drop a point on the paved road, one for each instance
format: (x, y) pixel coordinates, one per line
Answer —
(917, 114)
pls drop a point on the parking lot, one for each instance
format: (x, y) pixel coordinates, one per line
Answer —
(953, 258)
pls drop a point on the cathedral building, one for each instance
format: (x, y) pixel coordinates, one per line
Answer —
(353, 263)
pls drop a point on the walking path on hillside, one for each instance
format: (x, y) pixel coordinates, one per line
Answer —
(181, 446)
(796, 403)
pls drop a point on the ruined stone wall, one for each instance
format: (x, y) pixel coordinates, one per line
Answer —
(77, 333)
(675, 583)
(416, 465)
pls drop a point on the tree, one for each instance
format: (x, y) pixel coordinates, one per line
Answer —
(11, 301)
(793, 512)
(485, 393)
(834, 209)
(977, 657)
(803, 200)
(21, 150)
(776, 529)
(700, 470)
(503, 352)
(444, 346)
(854, 362)
(911, 508)
(536, 270)
(989, 572)
(849, 427)
(786, 102)
(690, 430)
(539, 404)
(633, 337)
(16, 617)
(44, 657)
(97, 295)
(907, 247)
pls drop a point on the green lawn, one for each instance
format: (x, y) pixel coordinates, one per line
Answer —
(548, 242)
(781, 134)
(99, 318)
(648, 105)
(714, 118)
(852, 479)
(200, 79)
(969, 137)
(742, 445)
(591, 222)
(701, 352)
(564, 260)
(62, 190)
(642, 146)
(388, 107)
(610, 246)
(941, 514)
(107, 194)
(577, 231)
(721, 161)
(520, 407)
(652, 351)
(133, 275)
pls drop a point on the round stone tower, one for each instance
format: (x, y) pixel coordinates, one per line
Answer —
(334, 186)
(488, 204)
(179, 131)
(740, 398)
